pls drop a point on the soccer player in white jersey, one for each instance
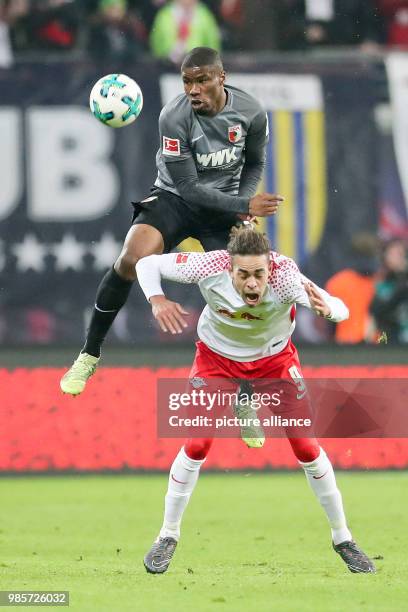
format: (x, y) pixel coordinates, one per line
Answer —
(244, 333)
(210, 160)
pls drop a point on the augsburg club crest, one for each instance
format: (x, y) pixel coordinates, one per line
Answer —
(234, 133)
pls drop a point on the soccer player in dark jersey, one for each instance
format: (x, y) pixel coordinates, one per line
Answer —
(210, 161)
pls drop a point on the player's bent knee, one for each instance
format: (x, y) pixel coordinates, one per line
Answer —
(197, 448)
(305, 449)
(125, 266)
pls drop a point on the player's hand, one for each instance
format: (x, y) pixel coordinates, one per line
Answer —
(316, 301)
(170, 315)
(264, 204)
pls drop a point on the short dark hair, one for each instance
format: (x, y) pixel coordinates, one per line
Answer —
(202, 56)
(244, 240)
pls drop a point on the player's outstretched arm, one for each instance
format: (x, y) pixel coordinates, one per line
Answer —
(184, 176)
(324, 304)
(298, 289)
(150, 270)
(317, 301)
(180, 267)
(170, 315)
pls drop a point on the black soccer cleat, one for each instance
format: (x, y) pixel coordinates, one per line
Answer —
(355, 559)
(159, 556)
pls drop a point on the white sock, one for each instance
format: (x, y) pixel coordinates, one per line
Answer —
(321, 478)
(182, 479)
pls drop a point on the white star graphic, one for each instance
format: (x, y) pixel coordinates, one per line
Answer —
(69, 253)
(30, 254)
(105, 251)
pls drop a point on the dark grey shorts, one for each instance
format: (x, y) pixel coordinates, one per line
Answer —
(176, 220)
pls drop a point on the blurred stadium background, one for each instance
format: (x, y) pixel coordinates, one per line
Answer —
(333, 81)
(333, 77)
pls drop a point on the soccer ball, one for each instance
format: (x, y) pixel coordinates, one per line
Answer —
(116, 100)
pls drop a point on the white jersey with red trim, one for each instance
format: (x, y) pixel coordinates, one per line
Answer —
(227, 324)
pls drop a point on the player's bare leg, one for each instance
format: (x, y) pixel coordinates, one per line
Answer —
(182, 480)
(112, 293)
(320, 475)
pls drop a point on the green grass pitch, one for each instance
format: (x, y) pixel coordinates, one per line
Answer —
(249, 542)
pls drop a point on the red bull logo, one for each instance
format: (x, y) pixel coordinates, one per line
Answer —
(250, 317)
(226, 312)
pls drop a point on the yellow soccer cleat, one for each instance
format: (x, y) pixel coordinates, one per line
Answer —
(251, 433)
(74, 381)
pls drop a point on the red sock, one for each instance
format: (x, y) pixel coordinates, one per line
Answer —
(197, 448)
(305, 449)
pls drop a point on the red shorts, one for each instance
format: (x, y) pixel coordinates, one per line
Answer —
(280, 373)
(208, 364)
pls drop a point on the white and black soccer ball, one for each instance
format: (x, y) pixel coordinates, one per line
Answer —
(116, 100)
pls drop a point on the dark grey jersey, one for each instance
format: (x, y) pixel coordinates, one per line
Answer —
(219, 146)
